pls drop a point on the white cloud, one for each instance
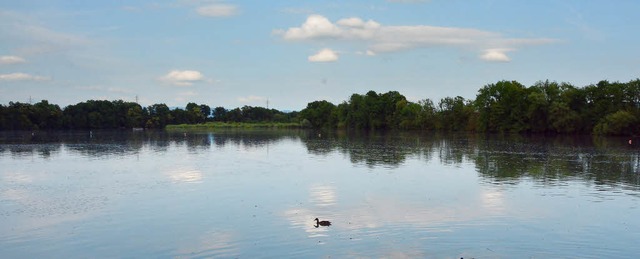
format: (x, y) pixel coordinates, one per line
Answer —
(182, 77)
(316, 26)
(6, 60)
(217, 10)
(22, 77)
(319, 27)
(251, 99)
(379, 39)
(324, 55)
(496, 55)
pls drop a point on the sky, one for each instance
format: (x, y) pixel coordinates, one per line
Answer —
(285, 54)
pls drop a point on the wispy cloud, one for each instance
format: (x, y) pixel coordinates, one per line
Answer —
(22, 77)
(182, 77)
(324, 55)
(296, 11)
(211, 8)
(217, 10)
(252, 99)
(378, 38)
(35, 37)
(7, 60)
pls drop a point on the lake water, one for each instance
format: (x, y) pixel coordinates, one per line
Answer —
(248, 194)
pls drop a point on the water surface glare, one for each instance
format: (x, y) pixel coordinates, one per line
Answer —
(249, 194)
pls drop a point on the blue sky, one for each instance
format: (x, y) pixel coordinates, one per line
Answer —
(235, 53)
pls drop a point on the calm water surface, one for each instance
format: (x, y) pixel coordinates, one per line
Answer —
(255, 194)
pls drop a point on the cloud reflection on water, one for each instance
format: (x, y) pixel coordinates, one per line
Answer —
(323, 195)
(376, 211)
(185, 176)
(209, 244)
(493, 200)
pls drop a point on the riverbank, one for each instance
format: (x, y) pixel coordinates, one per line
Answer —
(234, 125)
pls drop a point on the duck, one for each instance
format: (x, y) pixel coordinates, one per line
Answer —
(322, 223)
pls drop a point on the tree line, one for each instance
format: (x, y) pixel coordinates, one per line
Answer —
(504, 107)
(102, 114)
(609, 108)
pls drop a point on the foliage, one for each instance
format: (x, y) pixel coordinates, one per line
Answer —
(618, 123)
(503, 107)
(320, 114)
(611, 108)
(102, 114)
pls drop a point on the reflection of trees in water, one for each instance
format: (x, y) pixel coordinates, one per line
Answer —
(372, 148)
(29, 150)
(102, 143)
(253, 138)
(498, 159)
(550, 161)
(391, 148)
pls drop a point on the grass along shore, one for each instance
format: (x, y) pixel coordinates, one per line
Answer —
(234, 125)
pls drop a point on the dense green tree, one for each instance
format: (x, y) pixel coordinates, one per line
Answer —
(205, 110)
(3, 117)
(356, 113)
(427, 117)
(618, 123)
(234, 115)
(18, 116)
(135, 116)
(611, 108)
(194, 114)
(376, 111)
(454, 114)
(219, 114)
(563, 119)
(159, 116)
(320, 114)
(602, 99)
(406, 115)
(47, 116)
(503, 107)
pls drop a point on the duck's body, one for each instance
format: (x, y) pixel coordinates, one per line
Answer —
(322, 223)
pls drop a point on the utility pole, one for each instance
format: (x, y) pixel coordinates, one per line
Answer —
(267, 103)
(136, 98)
